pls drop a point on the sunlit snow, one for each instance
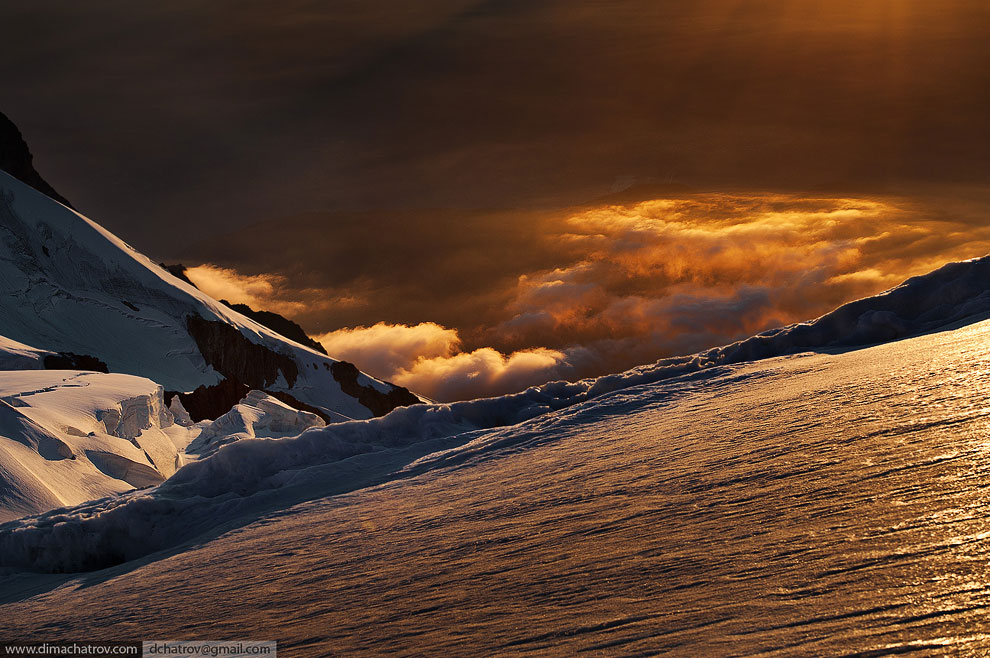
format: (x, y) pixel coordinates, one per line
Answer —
(810, 505)
(822, 500)
(67, 437)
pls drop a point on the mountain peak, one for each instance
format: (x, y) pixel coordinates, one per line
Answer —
(16, 160)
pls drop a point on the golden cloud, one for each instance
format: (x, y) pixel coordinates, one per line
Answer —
(226, 283)
(385, 350)
(497, 301)
(673, 276)
(427, 358)
(270, 292)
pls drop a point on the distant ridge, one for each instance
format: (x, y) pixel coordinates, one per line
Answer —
(279, 323)
(16, 160)
(246, 476)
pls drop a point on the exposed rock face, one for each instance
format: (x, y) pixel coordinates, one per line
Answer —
(273, 321)
(379, 403)
(246, 366)
(210, 402)
(16, 160)
(235, 357)
(178, 270)
(279, 323)
(72, 361)
(94, 302)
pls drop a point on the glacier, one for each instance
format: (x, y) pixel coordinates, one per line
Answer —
(67, 437)
(242, 475)
(814, 489)
(813, 504)
(258, 415)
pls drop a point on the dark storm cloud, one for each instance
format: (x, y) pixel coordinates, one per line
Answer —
(166, 118)
(426, 265)
(337, 159)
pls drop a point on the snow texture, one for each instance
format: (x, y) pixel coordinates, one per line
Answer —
(251, 475)
(18, 356)
(82, 290)
(69, 436)
(815, 505)
(258, 415)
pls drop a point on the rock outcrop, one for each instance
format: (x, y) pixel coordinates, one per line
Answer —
(72, 361)
(258, 415)
(379, 403)
(16, 160)
(279, 323)
(90, 301)
(235, 357)
(178, 270)
(210, 402)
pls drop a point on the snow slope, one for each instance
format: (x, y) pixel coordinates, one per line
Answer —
(254, 476)
(829, 504)
(256, 416)
(67, 437)
(71, 286)
(18, 356)
(956, 292)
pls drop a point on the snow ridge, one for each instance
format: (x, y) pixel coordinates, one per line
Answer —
(18, 356)
(254, 475)
(70, 436)
(70, 286)
(258, 415)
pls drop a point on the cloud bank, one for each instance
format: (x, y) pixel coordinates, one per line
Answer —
(269, 292)
(428, 358)
(468, 303)
(248, 111)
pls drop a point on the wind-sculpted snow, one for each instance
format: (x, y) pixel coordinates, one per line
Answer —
(953, 293)
(68, 436)
(820, 505)
(258, 415)
(18, 356)
(251, 475)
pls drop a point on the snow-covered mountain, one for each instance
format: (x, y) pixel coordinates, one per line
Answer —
(784, 495)
(818, 504)
(78, 298)
(251, 477)
(72, 287)
(16, 159)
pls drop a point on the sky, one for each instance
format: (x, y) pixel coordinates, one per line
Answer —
(468, 197)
